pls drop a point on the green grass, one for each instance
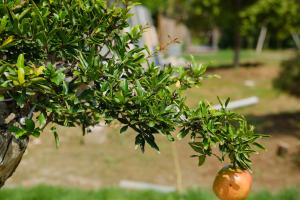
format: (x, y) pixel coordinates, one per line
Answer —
(224, 58)
(56, 193)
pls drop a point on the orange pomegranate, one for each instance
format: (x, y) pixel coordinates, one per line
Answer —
(232, 184)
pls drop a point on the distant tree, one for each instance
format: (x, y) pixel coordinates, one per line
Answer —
(188, 11)
(281, 18)
(205, 15)
(155, 6)
(223, 14)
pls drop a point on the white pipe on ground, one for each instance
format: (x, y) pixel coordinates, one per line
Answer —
(239, 103)
(145, 186)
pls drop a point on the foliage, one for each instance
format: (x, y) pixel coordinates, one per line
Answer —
(75, 62)
(197, 14)
(203, 15)
(280, 17)
(50, 193)
(155, 6)
(288, 79)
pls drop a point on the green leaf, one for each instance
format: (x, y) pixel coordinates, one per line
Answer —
(3, 68)
(135, 31)
(259, 145)
(20, 99)
(56, 137)
(140, 142)
(201, 160)
(139, 88)
(37, 11)
(42, 120)
(197, 147)
(21, 75)
(9, 40)
(13, 129)
(183, 132)
(39, 70)
(227, 102)
(4, 84)
(3, 23)
(20, 62)
(202, 69)
(151, 141)
(36, 132)
(58, 77)
(220, 102)
(151, 124)
(124, 86)
(65, 87)
(19, 132)
(170, 137)
(123, 129)
(29, 125)
(21, 71)
(84, 64)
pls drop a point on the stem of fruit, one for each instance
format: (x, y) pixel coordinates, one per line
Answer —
(233, 161)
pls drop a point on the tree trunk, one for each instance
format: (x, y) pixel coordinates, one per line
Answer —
(11, 149)
(296, 39)
(11, 152)
(215, 38)
(261, 39)
(237, 49)
(237, 35)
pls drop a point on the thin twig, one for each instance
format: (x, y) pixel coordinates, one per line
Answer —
(7, 100)
(47, 122)
(31, 112)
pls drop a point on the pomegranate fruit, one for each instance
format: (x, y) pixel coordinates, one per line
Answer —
(232, 184)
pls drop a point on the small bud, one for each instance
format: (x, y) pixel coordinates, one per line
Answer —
(177, 85)
(22, 121)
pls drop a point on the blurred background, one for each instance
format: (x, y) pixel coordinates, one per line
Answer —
(253, 45)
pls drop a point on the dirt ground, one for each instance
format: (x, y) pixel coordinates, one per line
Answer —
(106, 157)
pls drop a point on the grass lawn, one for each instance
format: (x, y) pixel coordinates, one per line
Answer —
(223, 58)
(51, 193)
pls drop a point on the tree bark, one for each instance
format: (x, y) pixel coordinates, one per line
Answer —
(11, 152)
(237, 35)
(296, 39)
(261, 39)
(11, 148)
(215, 38)
(237, 49)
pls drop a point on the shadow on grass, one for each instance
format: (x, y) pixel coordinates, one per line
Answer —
(275, 124)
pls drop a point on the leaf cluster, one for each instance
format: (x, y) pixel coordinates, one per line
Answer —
(77, 62)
